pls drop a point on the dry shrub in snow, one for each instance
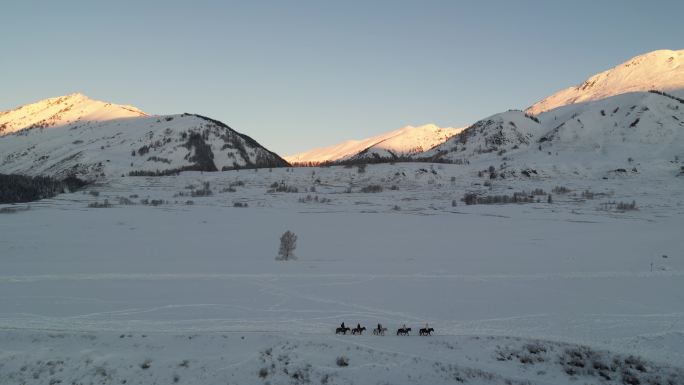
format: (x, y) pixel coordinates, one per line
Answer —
(342, 361)
(373, 188)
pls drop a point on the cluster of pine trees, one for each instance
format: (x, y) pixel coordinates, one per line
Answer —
(21, 188)
(680, 100)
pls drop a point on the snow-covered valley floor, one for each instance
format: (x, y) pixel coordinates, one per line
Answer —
(88, 295)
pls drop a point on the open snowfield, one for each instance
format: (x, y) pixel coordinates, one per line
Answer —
(89, 295)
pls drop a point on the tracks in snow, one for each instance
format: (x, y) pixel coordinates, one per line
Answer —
(352, 276)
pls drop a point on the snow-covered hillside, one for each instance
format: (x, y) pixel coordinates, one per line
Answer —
(74, 135)
(641, 125)
(497, 134)
(403, 142)
(658, 70)
(634, 131)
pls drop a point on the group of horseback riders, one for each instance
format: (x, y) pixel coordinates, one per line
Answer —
(380, 330)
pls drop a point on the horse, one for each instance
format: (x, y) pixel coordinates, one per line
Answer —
(379, 332)
(343, 330)
(426, 331)
(358, 331)
(403, 332)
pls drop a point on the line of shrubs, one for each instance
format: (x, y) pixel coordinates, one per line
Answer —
(518, 197)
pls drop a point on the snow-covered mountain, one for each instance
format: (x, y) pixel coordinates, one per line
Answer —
(661, 70)
(629, 116)
(623, 132)
(406, 141)
(74, 135)
(61, 111)
(609, 118)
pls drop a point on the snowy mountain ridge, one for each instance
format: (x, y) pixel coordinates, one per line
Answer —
(661, 70)
(629, 116)
(406, 141)
(63, 110)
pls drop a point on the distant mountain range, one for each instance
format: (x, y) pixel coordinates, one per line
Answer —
(404, 142)
(623, 117)
(661, 70)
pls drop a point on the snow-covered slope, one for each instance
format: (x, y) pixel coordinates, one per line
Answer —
(74, 135)
(641, 124)
(508, 131)
(405, 141)
(627, 132)
(658, 70)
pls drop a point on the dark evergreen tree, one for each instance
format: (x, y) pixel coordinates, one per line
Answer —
(288, 243)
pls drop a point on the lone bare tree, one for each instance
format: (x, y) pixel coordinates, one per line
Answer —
(288, 243)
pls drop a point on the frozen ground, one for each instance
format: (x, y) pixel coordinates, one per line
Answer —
(196, 279)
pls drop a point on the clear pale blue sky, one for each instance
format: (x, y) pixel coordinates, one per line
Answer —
(299, 74)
